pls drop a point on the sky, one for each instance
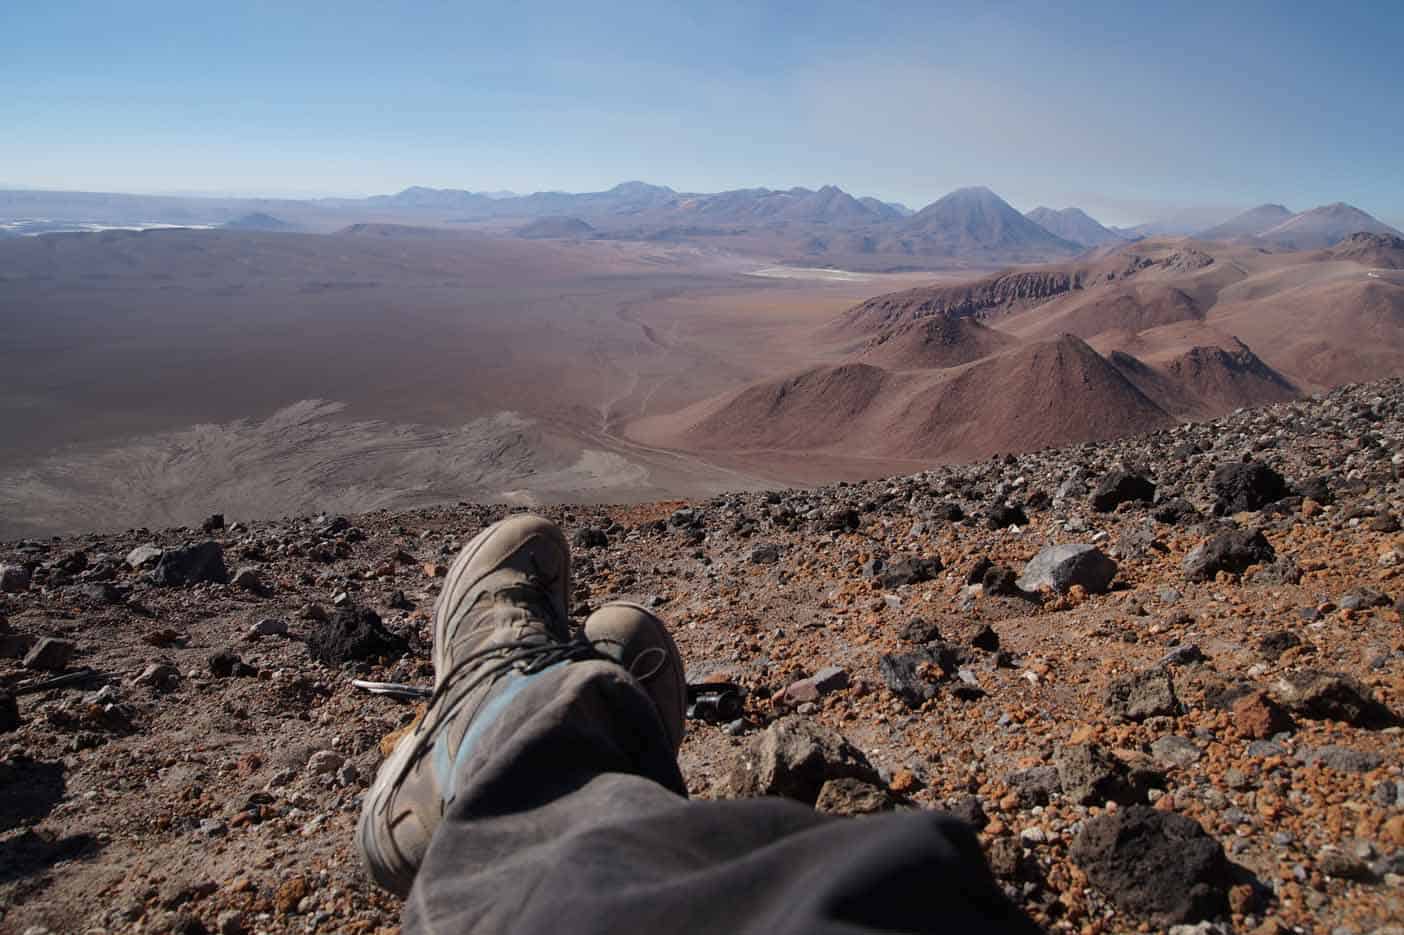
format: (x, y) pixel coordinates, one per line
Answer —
(1130, 110)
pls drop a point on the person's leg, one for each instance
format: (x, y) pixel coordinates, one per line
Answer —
(570, 823)
(541, 791)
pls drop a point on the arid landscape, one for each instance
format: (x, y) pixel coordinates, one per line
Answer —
(1002, 404)
(151, 376)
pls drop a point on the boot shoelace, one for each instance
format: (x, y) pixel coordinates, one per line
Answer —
(527, 656)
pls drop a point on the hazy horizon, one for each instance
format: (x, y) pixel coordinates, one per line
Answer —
(1114, 109)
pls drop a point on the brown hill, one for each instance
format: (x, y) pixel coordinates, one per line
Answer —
(933, 343)
(1054, 392)
(974, 298)
(1122, 339)
(1207, 380)
(813, 409)
(1026, 398)
(1382, 251)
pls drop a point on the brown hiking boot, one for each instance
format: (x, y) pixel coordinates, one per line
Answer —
(639, 642)
(500, 618)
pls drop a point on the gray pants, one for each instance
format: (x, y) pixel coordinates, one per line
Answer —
(571, 816)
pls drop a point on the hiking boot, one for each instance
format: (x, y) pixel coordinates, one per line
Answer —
(639, 642)
(500, 619)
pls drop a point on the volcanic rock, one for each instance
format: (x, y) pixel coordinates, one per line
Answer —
(353, 633)
(794, 758)
(51, 654)
(1135, 697)
(9, 712)
(848, 796)
(1233, 551)
(1244, 486)
(1120, 487)
(1059, 567)
(1333, 696)
(13, 579)
(1091, 776)
(911, 676)
(1158, 865)
(191, 564)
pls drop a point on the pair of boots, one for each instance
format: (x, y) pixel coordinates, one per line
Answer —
(500, 621)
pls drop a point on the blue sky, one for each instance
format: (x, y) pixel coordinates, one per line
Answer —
(1128, 109)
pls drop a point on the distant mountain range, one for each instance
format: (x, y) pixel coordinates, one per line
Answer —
(969, 228)
(1274, 225)
(1075, 225)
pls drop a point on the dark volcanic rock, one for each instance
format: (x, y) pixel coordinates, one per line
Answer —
(909, 676)
(1233, 551)
(1160, 866)
(589, 537)
(909, 571)
(1120, 487)
(1001, 581)
(1173, 512)
(1342, 759)
(1332, 696)
(1059, 567)
(50, 654)
(1149, 693)
(795, 758)
(921, 631)
(849, 796)
(1091, 776)
(194, 563)
(970, 811)
(227, 664)
(1245, 486)
(1003, 516)
(353, 634)
(9, 712)
(1035, 785)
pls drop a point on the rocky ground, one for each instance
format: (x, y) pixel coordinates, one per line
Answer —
(1184, 715)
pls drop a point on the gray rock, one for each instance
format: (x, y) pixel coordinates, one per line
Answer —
(13, 579)
(1120, 487)
(1262, 749)
(1160, 866)
(159, 675)
(1338, 863)
(849, 796)
(1059, 567)
(325, 761)
(1035, 785)
(794, 758)
(1341, 759)
(906, 571)
(911, 676)
(1149, 693)
(248, 579)
(1331, 696)
(1174, 751)
(765, 554)
(191, 564)
(269, 626)
(830, 679)
(1233, 551)
(1362, 599)
(1091, 776)
(143, 556)
(49, 653)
